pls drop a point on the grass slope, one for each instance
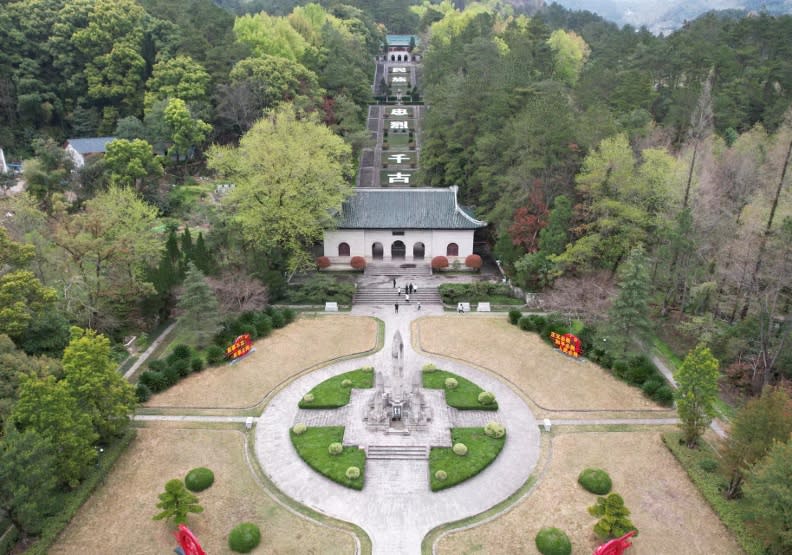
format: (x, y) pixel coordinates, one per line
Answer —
(312, 448)
(482, 450)
(463, 397)
(331, 393)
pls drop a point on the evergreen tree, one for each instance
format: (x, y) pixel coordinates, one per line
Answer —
(553, 239)
(697, 381)
(172, 247)
(27, 479)
(629, 314)
(186, 247)
(198, 304)
(613, 515)
(176, 502)
(201, 257)
(756, 426)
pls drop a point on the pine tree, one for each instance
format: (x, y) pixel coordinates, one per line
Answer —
(553, 239)
(176, 503)
(697, 381)
(768, 497)
(629, 314)
(201, 257)
(198, 304)
(186, 244)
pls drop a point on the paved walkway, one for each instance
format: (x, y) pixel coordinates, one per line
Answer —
(147, 353)
(396, 507)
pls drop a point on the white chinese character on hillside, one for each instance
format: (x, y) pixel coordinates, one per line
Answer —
(398, 125)
(398, 158)
(399, 80)
(399, 112)
(399, 70)
(399, 177)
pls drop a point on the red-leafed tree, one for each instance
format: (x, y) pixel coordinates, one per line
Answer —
(529, 220)
(323, 262)
(473, 261)
(439, 262)
(358, 262)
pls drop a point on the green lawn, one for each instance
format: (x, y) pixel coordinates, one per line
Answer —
(332, 393)
(482, 450)
(396, 140)
(463, 397)
(312, 448)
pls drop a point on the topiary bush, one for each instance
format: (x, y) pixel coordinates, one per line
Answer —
(552, 541)
(181, 351)
(322, 262)
(171, 376)
(214, 355)
(346, 383)
(278, 319)
(358, 262)
(514, 316)
(244, 538)
(181, 366)
(353, 473)
(451, 383)
(263, 324)
(335, 448)
(595, 480)
(157, 365)
(613, 515)
(439, 262)
(199, 479)
(526, 323)
(289, 315)
(495, 429)
(429, 367)
(299, 428)
(664, 395)
(651, 386)
(143, 392)
(441, 475)
(486, 398)
(308, 397)
(460, 449)
(473, 261)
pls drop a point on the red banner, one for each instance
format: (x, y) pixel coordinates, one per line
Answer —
(240, 347)
(567, 344)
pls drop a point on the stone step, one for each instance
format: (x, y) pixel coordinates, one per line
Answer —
(399, 270)
(374, 295)
(398, 452)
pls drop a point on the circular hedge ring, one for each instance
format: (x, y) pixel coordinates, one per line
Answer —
(198, 479)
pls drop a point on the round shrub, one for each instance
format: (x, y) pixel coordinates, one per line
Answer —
(346, 383)
(595, 480)
(514, 316)
(353, 473)
(429, 367)
(486, 398)
(441, 475)
(171, 376)
(181, 351)
(143, 392)
(322, 262)
(664, 395)
(552, 541)
(473, 261)
(244, 537)
(358, 262)
(439, 262)
(278, 320)
(197, 363)
(451, 383)
(214, 355)
(651, 385)
(181, 366)
(335, 448)
(308, 397)
(460, 449)
(198, 479)
(157, 365)
(263, 324)
(289, 315)
(526, 323)
(495, 429)
(299, 428)
(708, 465)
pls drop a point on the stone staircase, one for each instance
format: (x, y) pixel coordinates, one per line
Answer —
(403, 270)
(398, 452)
(388, 296)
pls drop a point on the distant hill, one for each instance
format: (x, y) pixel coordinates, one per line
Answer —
(666, 16)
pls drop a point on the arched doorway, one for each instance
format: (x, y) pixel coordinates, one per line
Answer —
(393, 58)
(452, 249)
(418, 251)
(398, 250)
(377, 251)
(343, 249)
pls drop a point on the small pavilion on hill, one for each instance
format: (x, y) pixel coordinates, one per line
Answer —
(401, 225)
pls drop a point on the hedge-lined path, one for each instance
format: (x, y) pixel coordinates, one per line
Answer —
(396, 507)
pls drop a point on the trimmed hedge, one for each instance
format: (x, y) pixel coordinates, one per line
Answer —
(595, 480)
(312, 448)
(514, 316)
(552, 541)
(460, 449)
(711, 485)
(495, 429)
(463, 397)
(74, 499)
(439, 262)
(244, 537)
(299, 428)
(358, 262)
(481, 451)
(496, 293)
(199, 479)
(322, 262)
(335, 392)
(473, 261)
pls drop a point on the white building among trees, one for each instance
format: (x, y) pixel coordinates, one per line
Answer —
(401, 224)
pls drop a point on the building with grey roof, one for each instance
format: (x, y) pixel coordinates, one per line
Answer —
(81, 149)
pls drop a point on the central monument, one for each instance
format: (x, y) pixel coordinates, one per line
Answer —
(397, 404)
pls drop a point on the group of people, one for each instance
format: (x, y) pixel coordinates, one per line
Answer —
(409, 289)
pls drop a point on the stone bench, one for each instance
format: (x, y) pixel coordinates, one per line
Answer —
(484, 307)
(464, 306)
(331, 307)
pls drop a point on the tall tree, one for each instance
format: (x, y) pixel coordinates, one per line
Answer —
(176, 503)
(198, 304)
(629, 315)
(697, 381)
(47, 407)
(132, 163)
(553, 239)
(756, 426)
(103, 393)
(290, 173)
(186, 132)
(768, 497)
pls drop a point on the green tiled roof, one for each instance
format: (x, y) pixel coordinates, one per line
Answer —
(405, 209)
(400, 40)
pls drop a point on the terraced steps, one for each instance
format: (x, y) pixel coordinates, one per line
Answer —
(407, 269)
(389, 296)
(398, 452)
